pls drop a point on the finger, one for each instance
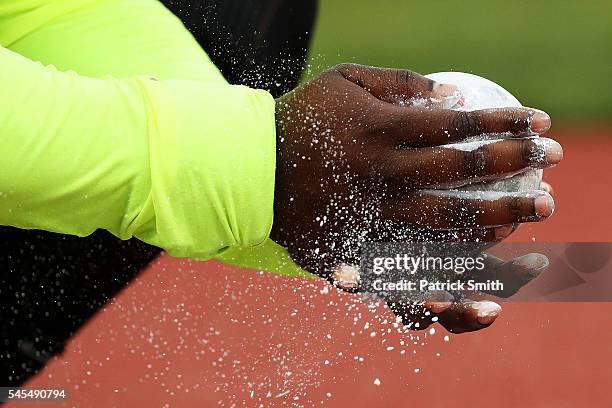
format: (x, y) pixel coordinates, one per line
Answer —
(396, 85)
(419, 315)
(469, 316)
(438, 301)
(514, 274)
(493, 234)
(418, 127)
(346, 277)
(544, 186)
(440, 209)
(395, 232)
(461, 164)
(414, 316)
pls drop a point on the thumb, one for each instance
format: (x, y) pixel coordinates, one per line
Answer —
(398, 86)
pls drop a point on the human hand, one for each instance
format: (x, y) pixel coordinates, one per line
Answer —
(361, 156)
(465, 314)
(460, 313)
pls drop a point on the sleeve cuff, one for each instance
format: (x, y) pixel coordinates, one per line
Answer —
(212, 162)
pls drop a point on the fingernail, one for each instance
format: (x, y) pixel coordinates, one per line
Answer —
(487, 311)
(533, 261)
(484, 320)
(544, 206)
(554, 152)
(546, 187)
(346, 276)
(438, 307)
(539, 122)
(443, 90)
(503, 231)
(544, 152)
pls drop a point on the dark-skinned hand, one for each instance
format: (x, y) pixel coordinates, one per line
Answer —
(363, 155)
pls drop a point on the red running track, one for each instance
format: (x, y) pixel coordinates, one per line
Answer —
(198, 334)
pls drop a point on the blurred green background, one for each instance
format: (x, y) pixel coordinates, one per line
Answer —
(555, 55)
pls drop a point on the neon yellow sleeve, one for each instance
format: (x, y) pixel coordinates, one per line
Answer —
(127, 38)
(122, 38)
(184, 164)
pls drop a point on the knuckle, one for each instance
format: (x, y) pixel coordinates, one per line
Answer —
(469, 210)
(529, 152)
(413, 81)
(416, 83)
(516, 121)
(460, 122)
(515, 208)
(457, 213)
(477, 160)
(475, 123)
(352, 72)
(403, 75)
(467, 123)
(344, 67)
(344, 70)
